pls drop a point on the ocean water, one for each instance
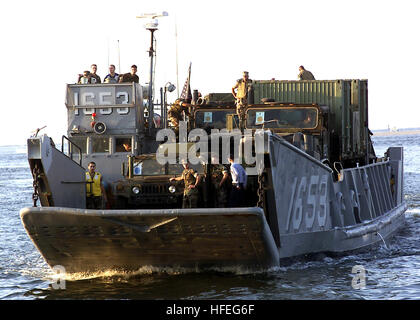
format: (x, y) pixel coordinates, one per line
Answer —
(392, 269)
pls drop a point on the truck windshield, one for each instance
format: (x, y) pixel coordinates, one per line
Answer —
(150, 167)
(213, 119)
(282, 118)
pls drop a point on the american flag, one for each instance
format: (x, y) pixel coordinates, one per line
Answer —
(186, 90)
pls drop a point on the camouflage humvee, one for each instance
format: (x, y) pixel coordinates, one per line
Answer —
(146, 184)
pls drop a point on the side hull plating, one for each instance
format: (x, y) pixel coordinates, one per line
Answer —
(309, 212)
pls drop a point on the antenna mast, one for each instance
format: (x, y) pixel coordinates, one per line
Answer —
(176, 44)
(119, 59)
(152, 26)
(108, 51)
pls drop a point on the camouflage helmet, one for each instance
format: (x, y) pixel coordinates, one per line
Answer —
(180, 102)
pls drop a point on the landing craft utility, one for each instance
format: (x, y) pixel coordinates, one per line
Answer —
(322, 188)
(316, 184)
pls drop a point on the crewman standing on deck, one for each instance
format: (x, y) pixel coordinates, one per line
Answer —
(239, 179)
(94, 188)
(191, 181)
(243, 89)
(219, 179)
(305, 74)
(175, 112)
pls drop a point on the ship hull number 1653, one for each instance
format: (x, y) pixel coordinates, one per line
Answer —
(308, 202)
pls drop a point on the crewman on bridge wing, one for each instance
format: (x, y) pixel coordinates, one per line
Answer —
(94, 78)
(94, 188)
(191, 181)
(243, 88)
(112, 76)
(130, 76)
(84, 78)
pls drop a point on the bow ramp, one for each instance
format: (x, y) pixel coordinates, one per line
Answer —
(98, 240)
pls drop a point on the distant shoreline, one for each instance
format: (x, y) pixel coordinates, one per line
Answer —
(395, 133)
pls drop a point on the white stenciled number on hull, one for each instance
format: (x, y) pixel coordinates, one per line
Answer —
(104, 101)
(88, 99)
(312, 192)
(125, 101)
(292, 199)
(323, 208)
(298, 212)
(298, 201)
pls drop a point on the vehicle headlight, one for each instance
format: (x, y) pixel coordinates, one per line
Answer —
(136, 190)
(172, 189)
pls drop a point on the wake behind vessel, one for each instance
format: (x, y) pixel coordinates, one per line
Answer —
(315, 184)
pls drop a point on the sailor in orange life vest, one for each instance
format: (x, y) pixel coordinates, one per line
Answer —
(94, 188)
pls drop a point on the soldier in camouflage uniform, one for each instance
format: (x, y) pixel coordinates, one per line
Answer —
(305, 74)
(219, 177)
(175, 112)
(243, 88)
(191, 180)
(130, 76)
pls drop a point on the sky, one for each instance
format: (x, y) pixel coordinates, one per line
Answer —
(45, 44)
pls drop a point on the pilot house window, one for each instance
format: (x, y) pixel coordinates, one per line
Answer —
(123, 144)
(78, 142)
(100, 145)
